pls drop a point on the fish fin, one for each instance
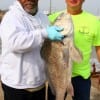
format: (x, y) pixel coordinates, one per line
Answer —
(70, 89)
(46, 90)
(75, 53)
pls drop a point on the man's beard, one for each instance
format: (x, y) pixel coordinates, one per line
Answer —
(32, 11)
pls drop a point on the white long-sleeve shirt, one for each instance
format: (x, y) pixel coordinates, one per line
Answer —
(22, 36)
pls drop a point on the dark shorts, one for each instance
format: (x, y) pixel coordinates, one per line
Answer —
(21, 94)
(81, 88)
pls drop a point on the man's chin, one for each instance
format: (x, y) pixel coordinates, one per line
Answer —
(32, 12)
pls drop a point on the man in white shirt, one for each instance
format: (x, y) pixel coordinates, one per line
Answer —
(22, 31)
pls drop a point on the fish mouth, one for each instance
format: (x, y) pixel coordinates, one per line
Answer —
(65, 36)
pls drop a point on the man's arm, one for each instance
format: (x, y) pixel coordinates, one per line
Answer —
(98, 52)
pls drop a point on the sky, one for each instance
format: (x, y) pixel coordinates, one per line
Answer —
(93, 6)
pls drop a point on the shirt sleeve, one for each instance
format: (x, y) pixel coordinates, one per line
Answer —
(16, 38)
(96, 41)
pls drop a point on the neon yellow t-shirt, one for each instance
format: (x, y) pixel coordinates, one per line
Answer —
(86, 35)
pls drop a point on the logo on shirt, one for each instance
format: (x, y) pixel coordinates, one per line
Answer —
(84, 30)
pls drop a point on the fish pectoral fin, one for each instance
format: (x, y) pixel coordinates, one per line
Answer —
(70, 89)
(75, 53)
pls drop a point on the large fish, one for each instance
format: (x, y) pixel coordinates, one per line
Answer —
(59, 57)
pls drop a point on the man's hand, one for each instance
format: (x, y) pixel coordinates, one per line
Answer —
(54, 33)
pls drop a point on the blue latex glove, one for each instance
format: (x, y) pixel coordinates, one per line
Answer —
(54, 33)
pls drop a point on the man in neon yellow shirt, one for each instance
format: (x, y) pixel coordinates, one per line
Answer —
(86, 35)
